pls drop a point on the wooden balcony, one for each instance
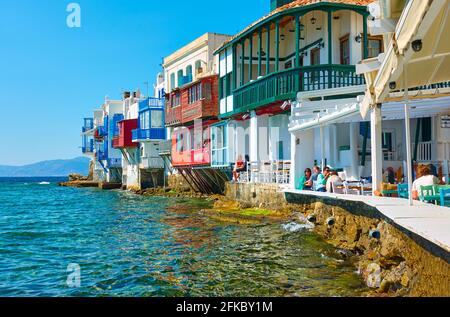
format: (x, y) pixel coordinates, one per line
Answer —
(285, 85)
(173, 115)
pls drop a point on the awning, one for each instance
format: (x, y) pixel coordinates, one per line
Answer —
(313, 114)
(422, 20)
(306, 116)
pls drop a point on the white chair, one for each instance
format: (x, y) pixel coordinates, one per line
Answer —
(254, 172)
(338, 188)
(266, 172)
(350, 191)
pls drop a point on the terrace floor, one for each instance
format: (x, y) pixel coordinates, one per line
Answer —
(429, 221)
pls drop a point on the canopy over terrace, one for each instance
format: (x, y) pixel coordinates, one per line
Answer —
(418, 55)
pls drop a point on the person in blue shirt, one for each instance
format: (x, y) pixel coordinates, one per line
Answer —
(305, 182)
(322, 178)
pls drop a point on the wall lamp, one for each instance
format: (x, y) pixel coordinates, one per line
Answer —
(417, 45)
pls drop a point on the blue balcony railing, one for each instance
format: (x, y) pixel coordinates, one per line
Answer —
(149, 134)
(88, 124)
(88, 146)
(151, 103)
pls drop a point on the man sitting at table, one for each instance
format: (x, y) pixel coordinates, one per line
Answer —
(321, 184)
(425, 178)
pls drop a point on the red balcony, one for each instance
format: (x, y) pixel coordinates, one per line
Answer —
(125, 137)
(185, 154)
(197, 100)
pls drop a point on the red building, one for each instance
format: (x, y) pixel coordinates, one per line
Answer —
(124, 136)
(199, 100)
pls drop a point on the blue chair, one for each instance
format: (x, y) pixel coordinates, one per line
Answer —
(445, 197)
(403, 191)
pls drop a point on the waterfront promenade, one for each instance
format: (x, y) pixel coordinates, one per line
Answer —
(428, 221)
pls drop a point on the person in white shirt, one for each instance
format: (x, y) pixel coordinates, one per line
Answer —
(427, 179)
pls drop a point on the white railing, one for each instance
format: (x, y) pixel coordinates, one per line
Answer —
(424, 151)
(275, 172)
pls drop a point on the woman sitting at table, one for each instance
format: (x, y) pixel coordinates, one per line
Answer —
(425, 178)
(240, 167)
(332, 181)
(305, 182)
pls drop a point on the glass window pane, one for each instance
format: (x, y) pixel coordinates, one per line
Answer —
(156, 118)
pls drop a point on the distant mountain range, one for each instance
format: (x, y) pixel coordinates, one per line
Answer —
(79, 165)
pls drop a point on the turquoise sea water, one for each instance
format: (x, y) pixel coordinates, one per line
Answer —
(127, 245)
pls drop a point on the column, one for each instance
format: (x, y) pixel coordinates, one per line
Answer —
(250, 59)
(330, 46)
(377, 148)
(297, 41)
(330, 37)
(234, 55)
(322, 147)
(302, 155)
(242, 61)
(259, 52)
(268, 50)
(354, 142)
(408, 150)
(277, 48)
(365, 38)
(253, 137)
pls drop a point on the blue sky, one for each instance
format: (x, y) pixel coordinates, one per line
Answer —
(52, 76)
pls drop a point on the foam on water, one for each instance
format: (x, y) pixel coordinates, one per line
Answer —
(296, 227)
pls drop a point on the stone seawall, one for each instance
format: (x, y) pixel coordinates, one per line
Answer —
(393, 262)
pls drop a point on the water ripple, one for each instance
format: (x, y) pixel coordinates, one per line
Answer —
(135, 246)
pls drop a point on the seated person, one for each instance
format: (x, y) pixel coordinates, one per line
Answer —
(332, 180)
(316, 172)
(321, 185)
(240, 167)
(389, 176)
(425, 178)
(305, 182)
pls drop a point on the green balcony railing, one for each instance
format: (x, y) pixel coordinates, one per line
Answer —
(285, 84)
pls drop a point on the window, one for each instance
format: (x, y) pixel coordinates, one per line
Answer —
(157, 119)
(207, 91)
(345, 50)
(180, 78)
(315, 60)
(375, 47)
(181, 146)
(144, 120)
(206, 138)
(172, 81)
(225, 86)
(195, 93)
(315, 56)
(288, 65)
(189, 74)
(175, 100)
